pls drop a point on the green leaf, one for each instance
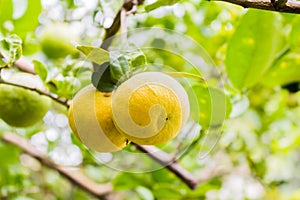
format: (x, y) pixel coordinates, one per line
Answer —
(144, 193)
(252, 47)
(294, 38)
(6, 11)
(29, 21)
(40, 69)
(119, 69)
(12, 151)
(11, 49)
(136, 59)
(163, 176)
(213, 105)
(64, 87)
(95, 54)
(286, 70)
(101, 79)
(125, 181)
(2, 63)
(186, 75)
(166, 191)
(160, 3)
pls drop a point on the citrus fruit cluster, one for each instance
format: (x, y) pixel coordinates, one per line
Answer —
(21, 107)
(149, 108)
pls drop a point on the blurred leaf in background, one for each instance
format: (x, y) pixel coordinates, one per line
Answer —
(256, 54)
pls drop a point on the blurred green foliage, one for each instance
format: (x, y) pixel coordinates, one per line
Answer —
(256, 52)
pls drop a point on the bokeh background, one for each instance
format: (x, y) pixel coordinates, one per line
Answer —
(257, 155)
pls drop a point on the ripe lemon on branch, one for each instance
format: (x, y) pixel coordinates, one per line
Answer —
(21, 107)
(90, 118)
(147, 108)
(150, 108)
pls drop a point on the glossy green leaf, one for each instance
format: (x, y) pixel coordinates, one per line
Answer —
(294, 38)
(119, 69)
(136, 59)
(40, 69)
(253, 47)
(101, 79)
(160, 3)
(29, 21)
(64, 87)
(286, 70)
(6, 11)
(95, 54)
(213, 105)
(11, 49)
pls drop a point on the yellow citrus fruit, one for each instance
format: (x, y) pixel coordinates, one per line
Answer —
(56, 40)
(22, 107)
(90, 118)
(150, 108)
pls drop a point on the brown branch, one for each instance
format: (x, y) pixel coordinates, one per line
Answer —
(24, 65)
(123, 25)
(76, 177)
(156, 154)
(166, 160)
(130, 6)
(288, 7)
(181, 143)
(160, 156)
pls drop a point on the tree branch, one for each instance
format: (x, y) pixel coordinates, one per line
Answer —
(160, 156)
(166, 160)
(54, 97)
(76, 177)
(130, 6)
(24, 65)
(272, 5)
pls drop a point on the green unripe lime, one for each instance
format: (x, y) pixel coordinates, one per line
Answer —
(56, 40)
(21, 107)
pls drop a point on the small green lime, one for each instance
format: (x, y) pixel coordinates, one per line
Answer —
(56, 40)
(21, 107)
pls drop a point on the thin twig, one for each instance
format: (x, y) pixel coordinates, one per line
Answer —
(123, 25)
(130, 6)
(75, 176)
(133, 10)
(54, 97)
(166, 160)
(288, 7)
(24, 65)
(160, 156)
(181, 143)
